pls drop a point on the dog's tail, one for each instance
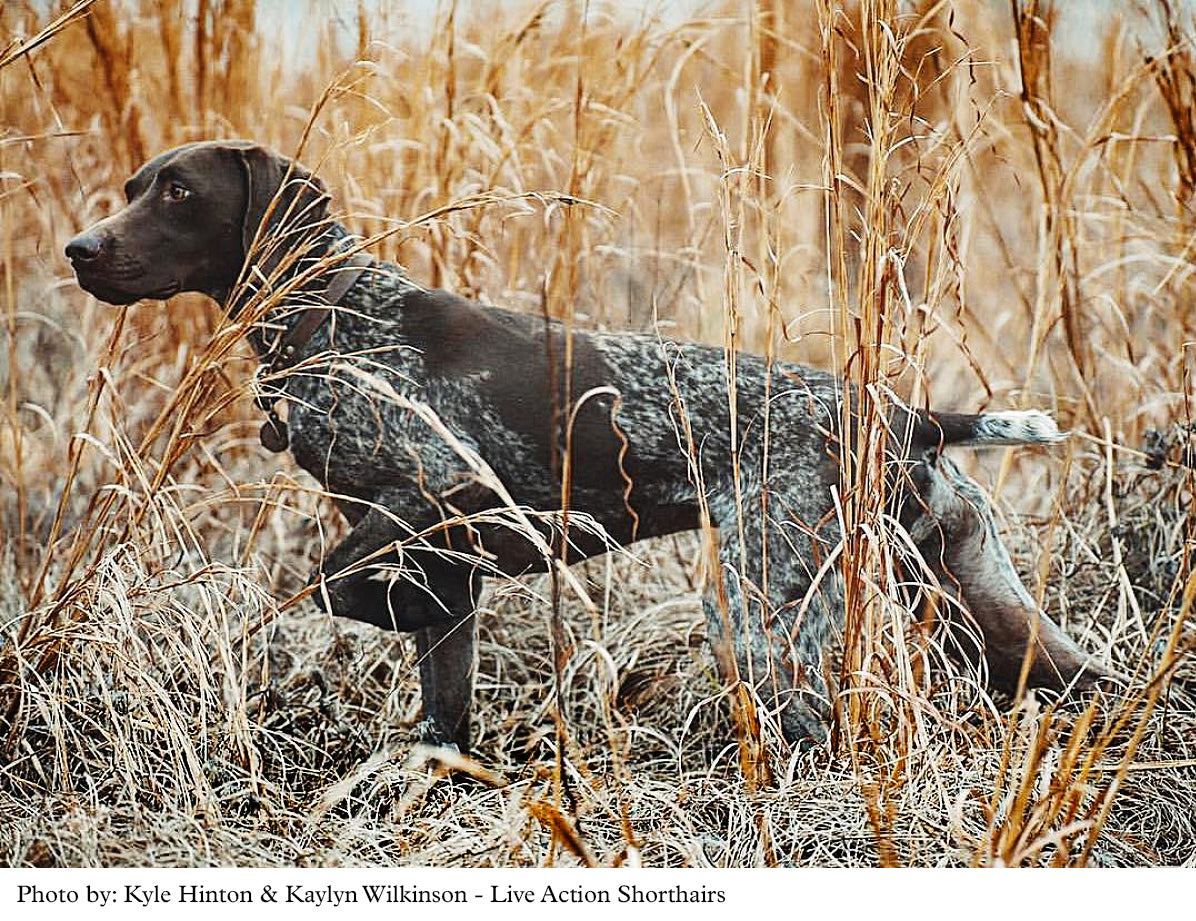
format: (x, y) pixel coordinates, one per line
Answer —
(1008, 427)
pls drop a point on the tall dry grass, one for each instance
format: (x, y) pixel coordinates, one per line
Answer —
(949, 203)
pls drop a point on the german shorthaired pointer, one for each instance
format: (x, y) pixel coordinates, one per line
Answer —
(454, 434)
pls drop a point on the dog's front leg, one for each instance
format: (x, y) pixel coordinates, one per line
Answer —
(447, 654)
(378, 574)
(381, 575)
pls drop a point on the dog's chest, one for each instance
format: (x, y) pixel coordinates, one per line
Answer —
(372, 418)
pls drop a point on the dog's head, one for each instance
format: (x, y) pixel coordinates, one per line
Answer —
(194, 214)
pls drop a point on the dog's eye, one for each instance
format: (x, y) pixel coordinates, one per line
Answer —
(177, 192)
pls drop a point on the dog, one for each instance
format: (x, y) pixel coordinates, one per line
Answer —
(463, 440)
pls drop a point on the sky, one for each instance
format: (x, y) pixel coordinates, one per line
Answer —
(1079, 19)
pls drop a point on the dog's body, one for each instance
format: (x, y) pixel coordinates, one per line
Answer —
(397, 395)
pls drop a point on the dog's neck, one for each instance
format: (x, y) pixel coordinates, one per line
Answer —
(296, 301)
(298, 288)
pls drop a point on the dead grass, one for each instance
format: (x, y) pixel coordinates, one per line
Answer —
(949, 203)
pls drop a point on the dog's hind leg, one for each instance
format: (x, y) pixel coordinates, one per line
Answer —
(955, 529)
(768, 627)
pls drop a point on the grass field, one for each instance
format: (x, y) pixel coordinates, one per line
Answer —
(948, 202)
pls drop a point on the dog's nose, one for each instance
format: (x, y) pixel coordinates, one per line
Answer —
(85, 248)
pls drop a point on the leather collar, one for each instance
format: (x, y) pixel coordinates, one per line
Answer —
(286, 350)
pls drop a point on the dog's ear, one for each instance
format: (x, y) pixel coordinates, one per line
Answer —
(284, 205)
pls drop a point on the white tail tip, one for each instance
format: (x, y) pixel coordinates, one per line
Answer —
(1018, 427)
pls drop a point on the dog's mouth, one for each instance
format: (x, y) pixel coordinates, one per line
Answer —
(112, 291)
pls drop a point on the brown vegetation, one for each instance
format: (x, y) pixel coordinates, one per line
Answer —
(950, 203)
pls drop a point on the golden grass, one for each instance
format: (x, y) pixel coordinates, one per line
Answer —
(946, 202)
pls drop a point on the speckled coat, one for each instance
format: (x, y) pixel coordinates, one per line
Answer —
(455, 435)
(646, 424)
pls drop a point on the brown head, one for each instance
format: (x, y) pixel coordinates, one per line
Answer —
(192, 217)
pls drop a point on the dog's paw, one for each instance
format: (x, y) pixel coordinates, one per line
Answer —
(429, 732)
